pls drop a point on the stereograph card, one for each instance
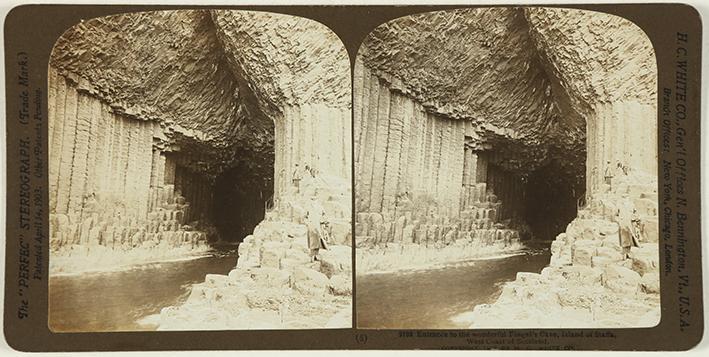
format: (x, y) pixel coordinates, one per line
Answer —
(353, 177)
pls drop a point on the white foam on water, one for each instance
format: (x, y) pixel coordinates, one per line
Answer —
(465, 318)
(408, 269)
(128, 267)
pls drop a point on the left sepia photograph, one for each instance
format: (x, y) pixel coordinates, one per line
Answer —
(200, 173)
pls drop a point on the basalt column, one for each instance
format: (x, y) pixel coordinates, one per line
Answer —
(603, 68)
(314, 136)
(422, 180)
(403, 151)
(111, 186)
(290, 189)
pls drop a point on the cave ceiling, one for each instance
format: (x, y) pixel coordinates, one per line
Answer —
(214, 79)
(528, 78)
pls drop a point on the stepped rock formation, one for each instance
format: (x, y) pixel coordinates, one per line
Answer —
(170, 130)
(549, 111)
(275, 284)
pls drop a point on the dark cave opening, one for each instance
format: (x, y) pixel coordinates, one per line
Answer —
(550, 202)
(240, 199)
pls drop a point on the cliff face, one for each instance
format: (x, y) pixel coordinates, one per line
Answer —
(605, 68)
(203, 103)
(172, 128)
(529, 78)
(543, 94)
(279, 59)
(478, 65)
(487, 119)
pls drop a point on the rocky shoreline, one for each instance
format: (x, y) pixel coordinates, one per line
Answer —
(275, 285)
(397, 257)
(94, 259)
(588, 282)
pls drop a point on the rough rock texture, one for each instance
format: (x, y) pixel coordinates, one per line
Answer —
(275, 285)
(185, 70)
(112, 196)
(533, 104)
(156, 117)
(589, 283)
(422, 237)
(528, 78)
(298, 78)
(484, 69)
(604, 69)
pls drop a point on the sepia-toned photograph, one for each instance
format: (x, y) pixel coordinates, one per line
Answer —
(506, 171)
(200, 173)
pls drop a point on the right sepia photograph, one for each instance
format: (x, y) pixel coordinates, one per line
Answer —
(506, 171)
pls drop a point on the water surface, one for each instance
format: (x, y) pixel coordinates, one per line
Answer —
(118, 300)
(438, 298)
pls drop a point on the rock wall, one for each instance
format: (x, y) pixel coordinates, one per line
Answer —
(589, 283)
(620, 133)
(275, 283)
(402, 149)
(111, 188)
(305, 98)
(423, 179)
(605, 70)
(313, 135)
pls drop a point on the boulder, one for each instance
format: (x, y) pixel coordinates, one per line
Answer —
(581, 253)
(645, 206)
(528, 278)
(198, 294)
(239, 277)
(310, 282)
(610, 253)
(645, 258)
(581, 274)
(650, 228)
(216, 280)
(621, 280)
(341, 284)
(271, 277)
(271, 253)
(341, 232)
(336, 259)
(650, 283)
(601, 261)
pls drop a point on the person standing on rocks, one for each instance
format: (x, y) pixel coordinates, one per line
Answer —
(314, 219)
(297, 176)
(637, 228)
(608, 175)
(625, 232)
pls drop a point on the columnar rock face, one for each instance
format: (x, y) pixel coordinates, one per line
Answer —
(305, 95)
(422, 183)
(275, 283)
(590, 282)
(611, 83)
(156, 116)
(312, 135)
(502, 100)
(402, 149)
(112, 191)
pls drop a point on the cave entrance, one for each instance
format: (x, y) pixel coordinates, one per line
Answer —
(226, 203)
(551, 201)
(241, 197)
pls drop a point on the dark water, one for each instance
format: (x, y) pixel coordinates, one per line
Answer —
(116, 301)
(430, 299)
